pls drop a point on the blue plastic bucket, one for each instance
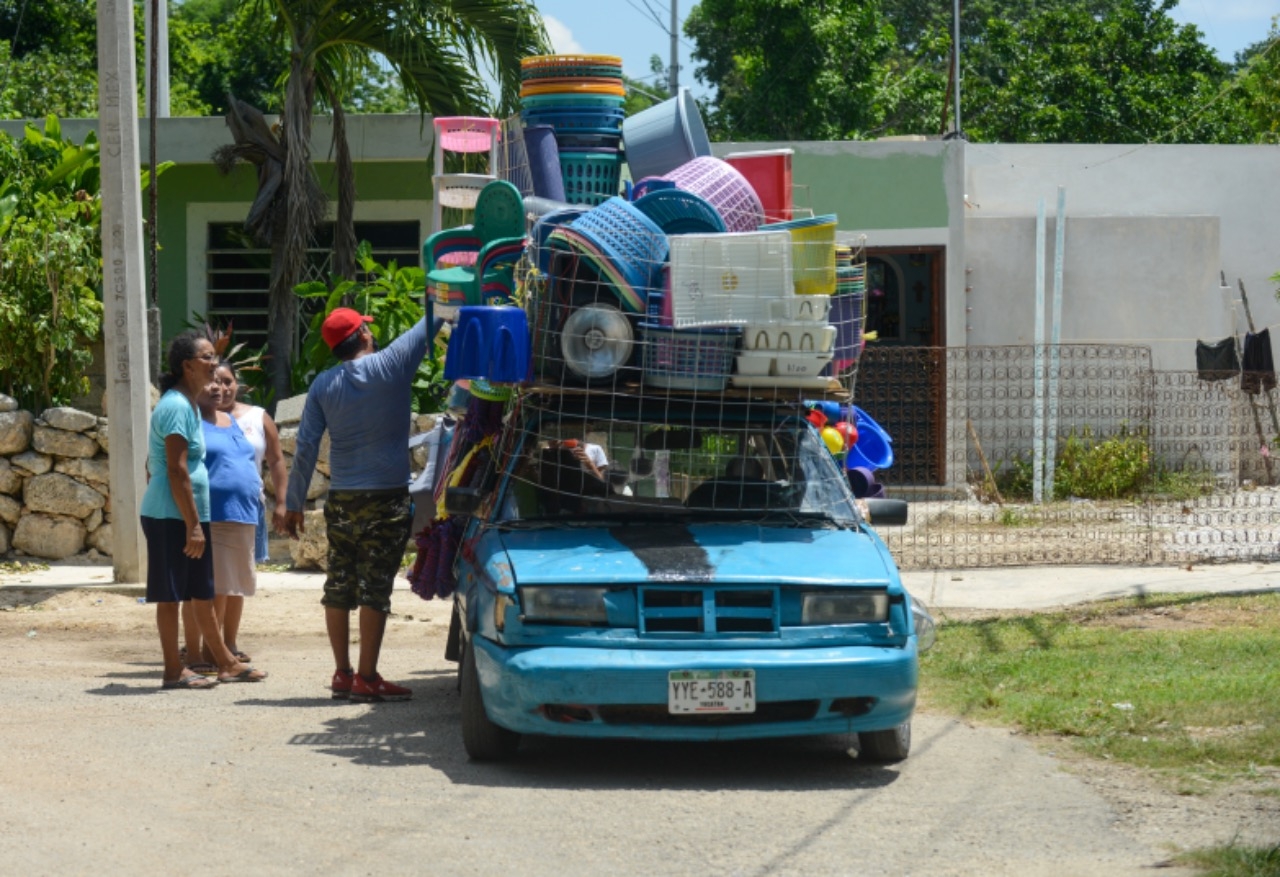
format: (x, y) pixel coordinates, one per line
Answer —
(874, 448)
(665, 136)
(544, 161)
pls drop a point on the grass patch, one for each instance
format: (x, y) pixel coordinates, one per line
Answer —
(16, 567)
(1234, 860)
(1186, 685)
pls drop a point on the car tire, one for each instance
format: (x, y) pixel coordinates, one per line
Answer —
(888, 746)
(483, 740)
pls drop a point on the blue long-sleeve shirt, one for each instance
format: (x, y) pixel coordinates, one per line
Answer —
(365, 405)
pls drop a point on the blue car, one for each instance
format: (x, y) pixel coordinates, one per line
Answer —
(657, 569)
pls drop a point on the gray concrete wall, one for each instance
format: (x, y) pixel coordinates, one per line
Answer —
(1185, 186)
(1147, 280)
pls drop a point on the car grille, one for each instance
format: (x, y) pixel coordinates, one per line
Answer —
(708, 611)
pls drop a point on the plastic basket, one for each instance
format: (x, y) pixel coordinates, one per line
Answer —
(565, 119)
(590, 176)
(570, 71)
(679, 212)
(723, 188)
(665, 136)
(544, 60)
(813, 253)
(769, 173)
(728, 279)
(465, 133)
(698, 359)
(460, 191)
(544, 88)
(625, 247)
(542, 229)
(848, 314)
(571, 101)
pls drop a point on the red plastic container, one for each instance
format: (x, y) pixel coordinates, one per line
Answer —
(769, 172)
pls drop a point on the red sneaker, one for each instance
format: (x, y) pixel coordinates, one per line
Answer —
(376, 690)
(340, 685)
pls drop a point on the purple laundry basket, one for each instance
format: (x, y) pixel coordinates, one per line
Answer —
(722, 186)
(544, 161)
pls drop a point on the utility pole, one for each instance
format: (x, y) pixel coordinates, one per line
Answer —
(673, 70)
(157, 43)
(124, 300)
(955, 23)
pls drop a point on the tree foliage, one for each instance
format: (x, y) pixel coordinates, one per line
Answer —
(792, 69)
(1069, 75)
(50, 265)
(1086, 71)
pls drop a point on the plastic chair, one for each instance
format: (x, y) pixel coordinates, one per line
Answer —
(497, 240)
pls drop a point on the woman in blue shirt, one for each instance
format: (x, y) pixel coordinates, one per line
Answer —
(175, 514)
(235, 504)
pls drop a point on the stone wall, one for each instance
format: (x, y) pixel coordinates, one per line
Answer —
(54, 482)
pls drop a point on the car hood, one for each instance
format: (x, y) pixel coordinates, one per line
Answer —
(696, 553)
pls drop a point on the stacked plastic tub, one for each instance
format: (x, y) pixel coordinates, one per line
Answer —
(848, 313)
(580, 98)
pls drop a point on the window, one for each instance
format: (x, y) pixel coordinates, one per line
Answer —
(238, 271)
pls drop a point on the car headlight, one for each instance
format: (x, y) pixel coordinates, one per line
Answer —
(926, 628)
(564, 605)
(844, 607)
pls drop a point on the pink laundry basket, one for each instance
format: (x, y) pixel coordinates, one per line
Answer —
(724, 188)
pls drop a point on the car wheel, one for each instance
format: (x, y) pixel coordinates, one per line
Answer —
(483, 740)
(886, 746)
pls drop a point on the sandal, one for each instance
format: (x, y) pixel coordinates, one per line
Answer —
(194, 681)
(204, 669)
(241, 656)
(248, 674)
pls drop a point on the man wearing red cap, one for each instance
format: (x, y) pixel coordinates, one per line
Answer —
(364, 402)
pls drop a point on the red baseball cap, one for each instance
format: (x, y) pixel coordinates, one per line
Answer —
(339, 325)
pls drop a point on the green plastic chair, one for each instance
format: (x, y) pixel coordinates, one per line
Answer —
(475, 264)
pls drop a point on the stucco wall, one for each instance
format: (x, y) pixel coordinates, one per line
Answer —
(1148, 280)
(1239, 185)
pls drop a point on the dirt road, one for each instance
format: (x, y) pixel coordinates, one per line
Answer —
(107, 774)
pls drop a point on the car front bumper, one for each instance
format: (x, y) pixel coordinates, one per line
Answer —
(622, 693)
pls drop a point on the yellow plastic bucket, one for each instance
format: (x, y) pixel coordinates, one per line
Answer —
(813, 253)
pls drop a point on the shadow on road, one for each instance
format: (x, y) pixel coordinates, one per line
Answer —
(425, 732)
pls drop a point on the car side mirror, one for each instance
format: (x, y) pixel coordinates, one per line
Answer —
(462, 500)
(886, 512)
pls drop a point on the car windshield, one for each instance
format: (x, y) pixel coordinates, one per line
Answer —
(587, 470)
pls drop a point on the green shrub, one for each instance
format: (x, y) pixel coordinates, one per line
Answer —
(393, 297)
(1114, 468)
(50, 265)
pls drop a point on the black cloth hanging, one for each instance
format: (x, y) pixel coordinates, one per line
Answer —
(1217, 361)
(1259, 374)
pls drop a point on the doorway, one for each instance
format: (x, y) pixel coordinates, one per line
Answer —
(901, 379)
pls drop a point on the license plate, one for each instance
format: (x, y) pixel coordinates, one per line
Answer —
(711, 691)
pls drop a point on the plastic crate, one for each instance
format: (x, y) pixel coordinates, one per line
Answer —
(698, 359)
(590, 176)
(813, 253)
(728, 279)
(565, 119)
(720, 185)
(769, 173)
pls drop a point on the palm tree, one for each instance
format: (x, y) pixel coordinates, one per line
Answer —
(436, 48)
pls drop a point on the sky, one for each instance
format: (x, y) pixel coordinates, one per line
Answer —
(637, 29)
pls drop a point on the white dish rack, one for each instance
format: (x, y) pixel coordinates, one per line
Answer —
(728, 279)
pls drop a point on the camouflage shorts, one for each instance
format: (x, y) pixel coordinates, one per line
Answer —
(368, 533)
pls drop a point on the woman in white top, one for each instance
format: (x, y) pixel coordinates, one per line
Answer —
(260, 430)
